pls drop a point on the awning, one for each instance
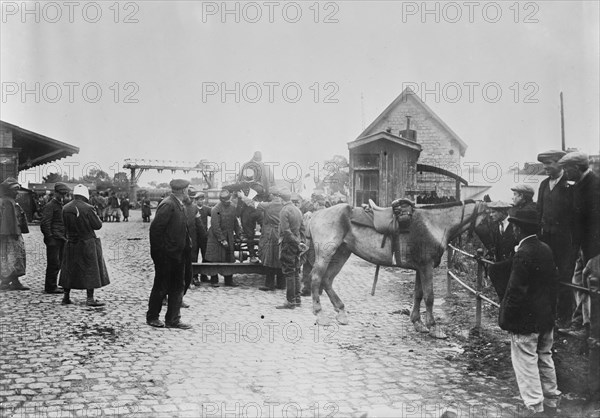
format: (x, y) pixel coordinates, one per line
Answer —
(35, 149)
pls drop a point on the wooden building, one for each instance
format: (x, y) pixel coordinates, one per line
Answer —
(21, 149)
(407, 151)
(410, 118)
(382, 168)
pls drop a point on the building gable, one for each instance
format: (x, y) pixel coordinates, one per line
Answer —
(423, 118)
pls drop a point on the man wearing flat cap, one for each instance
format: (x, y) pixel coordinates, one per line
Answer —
(221, 235)
(586, 225)
(53, 228)
(13, 224)
(522, 198)
(527, 310)
(170, 248)
(291, 244)
(555, 209)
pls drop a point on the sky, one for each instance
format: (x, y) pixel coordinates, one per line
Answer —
(187, 81)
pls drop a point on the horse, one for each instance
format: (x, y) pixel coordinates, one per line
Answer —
(334, 237)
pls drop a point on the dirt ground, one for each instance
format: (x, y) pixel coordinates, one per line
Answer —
(487, 350)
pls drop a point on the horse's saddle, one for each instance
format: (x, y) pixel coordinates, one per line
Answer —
(393, 220)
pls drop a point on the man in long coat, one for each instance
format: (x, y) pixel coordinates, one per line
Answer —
(586, 227)
(197, 232)
(83, 265)
(221, 235)
(527, 312)
(291, 244)
(268, 244)
(12, 247)
(146, 209)
(53, 228)
(170, 248)
(496, 232)
(555, 210)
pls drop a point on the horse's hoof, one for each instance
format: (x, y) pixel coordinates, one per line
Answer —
(436, 331)
(322, 319)
(342, 318)
(419, 327)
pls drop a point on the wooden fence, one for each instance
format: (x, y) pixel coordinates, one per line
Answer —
(593, 290)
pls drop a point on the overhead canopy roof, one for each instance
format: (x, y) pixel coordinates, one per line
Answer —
(36, 149)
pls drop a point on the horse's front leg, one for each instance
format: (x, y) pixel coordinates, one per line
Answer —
(427, 284)
(415, 315)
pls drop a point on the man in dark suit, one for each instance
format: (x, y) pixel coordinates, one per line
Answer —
(555, 211)
(496, 233)
(170, 248)
(586, 226)
(527, 312)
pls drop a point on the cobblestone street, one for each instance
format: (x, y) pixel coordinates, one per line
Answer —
(242, 358)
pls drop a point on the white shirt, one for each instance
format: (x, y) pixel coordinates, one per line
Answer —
(504, 225)
(553, 182)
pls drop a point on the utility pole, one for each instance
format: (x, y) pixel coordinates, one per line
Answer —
(562, 123)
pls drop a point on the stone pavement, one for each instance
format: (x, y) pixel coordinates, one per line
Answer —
(243, 358)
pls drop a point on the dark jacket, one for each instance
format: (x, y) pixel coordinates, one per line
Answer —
(555, 208)
(499, 245)
(196, 228)
(223, 225)
(83, 264)
(586, 207)
(529, 302)
(52, 223)
(168, 231)
(291, 228)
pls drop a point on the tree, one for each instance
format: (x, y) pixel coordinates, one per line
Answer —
(337, 175)
(52, 178)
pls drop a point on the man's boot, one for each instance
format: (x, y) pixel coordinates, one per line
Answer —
(66, 297)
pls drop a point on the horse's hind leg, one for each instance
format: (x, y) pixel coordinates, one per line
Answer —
(337, 262)
(415, 315)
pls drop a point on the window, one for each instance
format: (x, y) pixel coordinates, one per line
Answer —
(366, 186)
(366, 161)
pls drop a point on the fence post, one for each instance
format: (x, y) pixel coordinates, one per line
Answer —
(448, 278)
(478, 288)
(594, 340)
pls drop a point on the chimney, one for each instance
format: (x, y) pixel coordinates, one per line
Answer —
(408, 133)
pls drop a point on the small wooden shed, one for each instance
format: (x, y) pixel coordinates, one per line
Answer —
(383, 167)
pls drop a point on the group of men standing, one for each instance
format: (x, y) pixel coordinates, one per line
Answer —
(556, 238)
(179, 231)
(111, 207)
(73, 252)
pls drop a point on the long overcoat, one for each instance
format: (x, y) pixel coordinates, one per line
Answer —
(268, 244)
(223, 226)
(82, 265)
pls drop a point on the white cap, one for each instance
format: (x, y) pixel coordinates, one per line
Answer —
(81, 190)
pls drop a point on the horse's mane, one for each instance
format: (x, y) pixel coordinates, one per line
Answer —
(446, 205)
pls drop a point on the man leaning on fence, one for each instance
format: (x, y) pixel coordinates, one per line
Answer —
(527, 311)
